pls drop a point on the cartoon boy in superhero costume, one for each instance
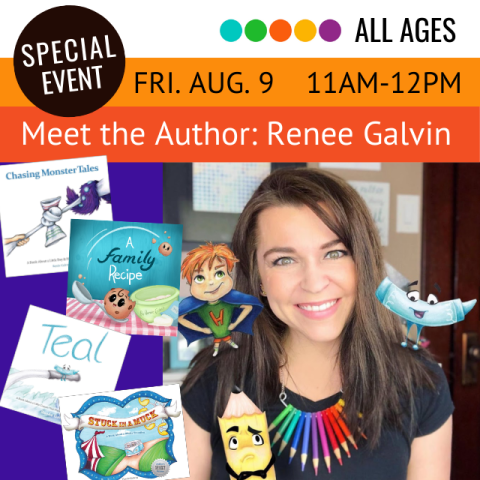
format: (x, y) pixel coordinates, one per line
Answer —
(214, 307)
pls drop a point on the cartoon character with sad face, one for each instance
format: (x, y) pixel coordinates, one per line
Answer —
(118, 304)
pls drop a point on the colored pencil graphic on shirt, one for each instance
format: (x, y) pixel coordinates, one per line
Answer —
(284, 426)
(339, 409)
(338, 432)
(296, 437)
(314, 444)
(331, 436)
(280, 417)
(323, 438)
(306, 439)
(344, 427)
(289, 432)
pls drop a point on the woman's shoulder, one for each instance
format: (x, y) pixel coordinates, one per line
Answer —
(198, 397)
(433, 405)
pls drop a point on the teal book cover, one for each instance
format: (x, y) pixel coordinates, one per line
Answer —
(125, 276)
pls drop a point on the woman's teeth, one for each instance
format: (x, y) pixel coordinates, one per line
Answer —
(318, 308)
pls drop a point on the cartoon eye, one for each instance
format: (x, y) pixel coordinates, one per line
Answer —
(220, 274)
(233, 443)
(121, 303)
(414, 295)
(257, 439)
(432, 299)
(112, 298)
(199, 279)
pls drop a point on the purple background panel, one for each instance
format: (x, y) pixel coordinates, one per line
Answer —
(34, 447)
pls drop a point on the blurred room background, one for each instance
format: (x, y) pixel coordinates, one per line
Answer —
(428, 216)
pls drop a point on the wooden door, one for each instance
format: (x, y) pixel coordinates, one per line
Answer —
(451, 258)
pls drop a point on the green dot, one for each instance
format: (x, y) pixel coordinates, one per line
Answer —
(231, 30)
(255, 30)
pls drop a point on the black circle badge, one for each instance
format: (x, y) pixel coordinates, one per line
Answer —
(69, 61)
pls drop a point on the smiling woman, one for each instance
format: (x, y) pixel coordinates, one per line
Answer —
(323, 344)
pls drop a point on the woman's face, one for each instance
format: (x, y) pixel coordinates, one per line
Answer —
(307, 273)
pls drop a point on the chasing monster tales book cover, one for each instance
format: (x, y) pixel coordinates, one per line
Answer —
(37, 203)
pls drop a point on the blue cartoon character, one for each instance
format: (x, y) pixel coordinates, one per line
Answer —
(214, 307)
(65, 370)
(423, 314)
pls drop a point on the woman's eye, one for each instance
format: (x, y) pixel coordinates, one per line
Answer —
(414, 295)
(233, 443)
(219, 274)
(335, 254)
(199, 279)
(432, 299)
(257, 439)
(283, 261)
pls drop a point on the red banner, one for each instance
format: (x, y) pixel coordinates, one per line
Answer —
(233, 134)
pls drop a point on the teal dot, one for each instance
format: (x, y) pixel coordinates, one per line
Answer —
(231, 30)
(255, 30)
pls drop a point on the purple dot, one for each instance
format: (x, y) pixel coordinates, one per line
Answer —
(330, 30)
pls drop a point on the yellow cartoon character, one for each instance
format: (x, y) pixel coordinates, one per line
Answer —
(245, 439)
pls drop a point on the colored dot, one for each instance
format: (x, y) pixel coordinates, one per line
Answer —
(231, 30)
(305, 30)
(280, 30)
(255, 30)
(330, 30)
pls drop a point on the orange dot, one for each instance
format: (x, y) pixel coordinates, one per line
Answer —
(168, 237)
(280, 30)
(80, 276)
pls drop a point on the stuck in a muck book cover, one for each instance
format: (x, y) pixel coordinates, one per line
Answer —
(137, 433)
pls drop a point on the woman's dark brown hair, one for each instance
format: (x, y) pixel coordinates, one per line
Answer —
(379, 377)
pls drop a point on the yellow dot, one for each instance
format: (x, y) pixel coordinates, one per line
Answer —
(305, 30)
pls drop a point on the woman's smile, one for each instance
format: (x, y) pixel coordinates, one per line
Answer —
(319, 310)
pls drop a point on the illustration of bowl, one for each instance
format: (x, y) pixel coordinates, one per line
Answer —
(153, 301)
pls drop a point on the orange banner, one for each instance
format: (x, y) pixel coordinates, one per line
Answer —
(232, 134)
(286, 82)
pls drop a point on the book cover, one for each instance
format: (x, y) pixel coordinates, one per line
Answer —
(37, 201)
(58, 356)
(125, 276)
(135, 432)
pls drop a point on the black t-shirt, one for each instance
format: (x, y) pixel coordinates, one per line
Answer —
(389, 460)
